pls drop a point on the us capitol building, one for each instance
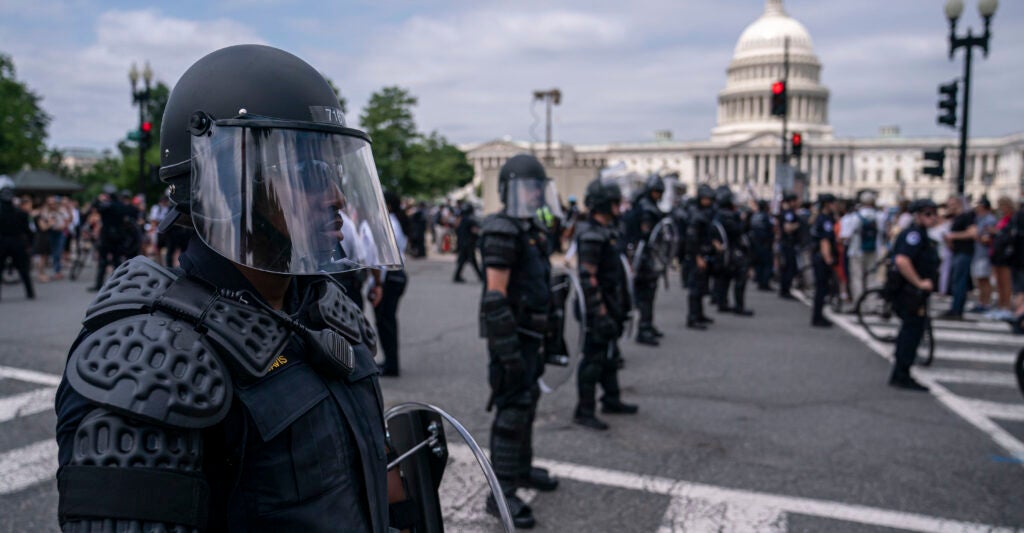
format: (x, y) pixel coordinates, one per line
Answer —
(745, 146)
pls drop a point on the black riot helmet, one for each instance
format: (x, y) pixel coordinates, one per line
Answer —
(705, 191)
(601, 196)
(723, 197)
(255, 149)
(525, 189)
(655, 184)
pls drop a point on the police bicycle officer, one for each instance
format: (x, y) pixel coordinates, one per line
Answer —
(645, 216)
(603, 280)
(700, 254)
(15, 234)
(514, 313)
(789, 237)
(913, 276)
(825, 255)
(238, 393)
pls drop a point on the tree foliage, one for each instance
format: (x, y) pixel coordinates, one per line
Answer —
(23, 122)
(409, 162)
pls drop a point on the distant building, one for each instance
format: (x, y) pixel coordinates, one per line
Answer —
(81, 158)
(745, 145)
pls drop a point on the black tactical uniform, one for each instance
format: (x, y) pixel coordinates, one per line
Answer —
(603, 279)
(735, 258)
(762, 242)
(15, 235)
(788, 242)
(188, 402)
(823, 234)
(699, 257)
(514, 319)
(115, 235)
(645, 279)
(909, 302)
(466, 236)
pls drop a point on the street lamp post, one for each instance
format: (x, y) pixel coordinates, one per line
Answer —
(140, 96)
(986, 8)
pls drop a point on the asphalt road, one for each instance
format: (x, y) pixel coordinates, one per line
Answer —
(760, 424)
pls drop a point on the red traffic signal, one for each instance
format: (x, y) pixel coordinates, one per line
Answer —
(779, 99)
(778, 87)
(797, 145)
(147, 127)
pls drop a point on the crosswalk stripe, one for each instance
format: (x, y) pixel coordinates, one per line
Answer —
(967, 337)
(976, 377)
(24, 467)
(29, 376)
(997, 410)
(974, 356)
(995, 327)
(26, 403)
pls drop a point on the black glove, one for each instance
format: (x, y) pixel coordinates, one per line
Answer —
(607, 328)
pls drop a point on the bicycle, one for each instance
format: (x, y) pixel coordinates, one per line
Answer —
(83, 257)
(876, 316)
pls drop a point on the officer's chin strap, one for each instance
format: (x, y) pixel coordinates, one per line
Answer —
(432, 439)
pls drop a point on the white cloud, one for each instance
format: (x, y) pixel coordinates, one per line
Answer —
(87, 91)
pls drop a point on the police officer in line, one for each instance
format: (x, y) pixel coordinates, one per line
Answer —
(603, 279)
(762, 241)
(514, 312)
(15, 235)
(825, 255)
(789, 237)
(645, 217)
(680, 214)
(241, 388)
(115, 232)
(735, 253)
(700, 253)
(913, 276)
(466, 234)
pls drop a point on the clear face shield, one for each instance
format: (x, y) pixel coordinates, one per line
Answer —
(533, 197)
(276, 196)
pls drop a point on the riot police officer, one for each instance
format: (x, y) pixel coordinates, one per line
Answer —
(823, 248)
(789, 237)
(762, 242)
(241, 389)
(645, 216)
(700, 253)
(603, 280)
(913, 275)
(514, 314)
(116, 235)
(735, 256)
(15, 235)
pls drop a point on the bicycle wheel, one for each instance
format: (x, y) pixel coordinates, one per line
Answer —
(76, 268)
(875, 315)
(1018, 367)
(926, 351)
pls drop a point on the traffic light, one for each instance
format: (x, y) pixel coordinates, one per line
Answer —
(796, 145)
(939, 158)
(779, 99)
(146, 133)
(947, 103)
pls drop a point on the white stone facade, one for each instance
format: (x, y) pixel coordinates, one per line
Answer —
(746, 144)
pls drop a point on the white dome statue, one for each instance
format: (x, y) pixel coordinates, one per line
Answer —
(744, 106)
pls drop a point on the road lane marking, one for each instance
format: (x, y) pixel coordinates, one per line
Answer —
(998, 410)
(694, 514)
(971, 377)
(1012, 342)
(23, 467)
(1005, 357)
(26, 403)
(960, 406)
(29, 376)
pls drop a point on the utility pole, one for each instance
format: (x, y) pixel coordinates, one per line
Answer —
(550, 97)
(785, 93)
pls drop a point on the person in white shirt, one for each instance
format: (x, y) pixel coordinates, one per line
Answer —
(861, 230)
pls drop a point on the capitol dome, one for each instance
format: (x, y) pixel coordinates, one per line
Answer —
(744, 106)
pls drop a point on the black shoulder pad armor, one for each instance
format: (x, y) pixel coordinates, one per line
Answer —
(590, 243)
(131, 288)
(336, 310)
(154, 368)
(499, 241)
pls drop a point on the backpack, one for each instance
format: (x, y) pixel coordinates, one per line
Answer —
(868, 233)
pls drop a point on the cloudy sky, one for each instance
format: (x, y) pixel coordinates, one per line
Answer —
(625, 69)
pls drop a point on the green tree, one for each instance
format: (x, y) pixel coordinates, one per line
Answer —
(23, 122)
(408, 162)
